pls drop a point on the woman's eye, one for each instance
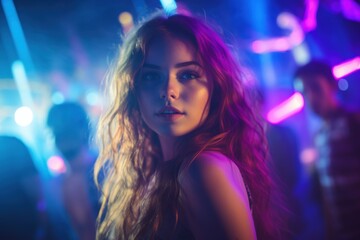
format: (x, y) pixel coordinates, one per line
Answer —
(150, 76)
(188, 75)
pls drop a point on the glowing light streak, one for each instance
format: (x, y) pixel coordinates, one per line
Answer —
(17, 34)
(309, 23)
(281, 44)
(350, 9)
(286, 109)
(22, 83)
(168, 5)
(346, 68)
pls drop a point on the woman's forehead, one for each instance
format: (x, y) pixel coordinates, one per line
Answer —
(170, 50)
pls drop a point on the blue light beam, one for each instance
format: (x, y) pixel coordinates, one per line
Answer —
(18, 34)
(169, 6)
(22, 83)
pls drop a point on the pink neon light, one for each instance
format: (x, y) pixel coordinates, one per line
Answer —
(346, 68)
(308, 155)
(281, 44)
(271, 45)
(350, 9)
(309, 23)
(56, 165)
(286, 109)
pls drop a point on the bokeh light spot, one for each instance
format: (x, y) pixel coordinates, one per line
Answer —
(23, 116)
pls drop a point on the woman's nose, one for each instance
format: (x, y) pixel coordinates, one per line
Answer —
(170, 89)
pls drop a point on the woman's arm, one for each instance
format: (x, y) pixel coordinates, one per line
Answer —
(216, 200)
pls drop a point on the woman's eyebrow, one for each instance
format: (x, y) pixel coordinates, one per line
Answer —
(178, 65)
(184, 64)
(153, 66)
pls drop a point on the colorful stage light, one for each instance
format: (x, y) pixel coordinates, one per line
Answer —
(22, 83)
(343, 84)
(281, 44)
(286, 109)
(23, 116)
(309, 23)
(126, 21)
(56, 165)
(92, 98)
(308, 156)
(18, 35)
(168, 5)
(57, 98)
(350, 9)
(346, 68)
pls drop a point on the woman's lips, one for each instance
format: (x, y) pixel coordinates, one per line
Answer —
(170, 116)
(170, 113)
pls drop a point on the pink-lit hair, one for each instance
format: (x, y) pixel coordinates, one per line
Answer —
(135, 204)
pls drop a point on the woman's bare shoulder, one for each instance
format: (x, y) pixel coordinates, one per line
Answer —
(216, 195)
(214, 159)
(211, 169)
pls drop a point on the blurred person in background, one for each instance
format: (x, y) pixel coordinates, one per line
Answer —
(70, 127)
(20, 190)
(337, 168)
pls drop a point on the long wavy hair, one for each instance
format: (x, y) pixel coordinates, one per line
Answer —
(140, 191)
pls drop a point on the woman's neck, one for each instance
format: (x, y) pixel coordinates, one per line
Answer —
(167, 147)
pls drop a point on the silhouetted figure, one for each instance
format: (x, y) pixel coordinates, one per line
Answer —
(338, 145)
(19, 189)
(69, 124)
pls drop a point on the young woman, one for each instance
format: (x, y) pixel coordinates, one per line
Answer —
(182, 151)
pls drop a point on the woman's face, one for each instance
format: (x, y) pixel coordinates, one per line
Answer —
(172, 89)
